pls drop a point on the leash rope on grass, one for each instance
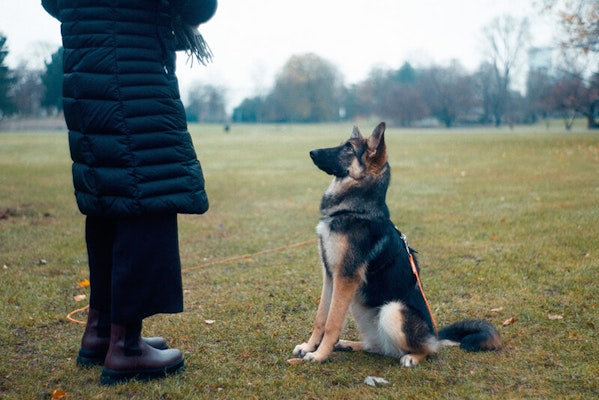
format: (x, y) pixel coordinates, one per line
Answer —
(249, 255)
(208, 264)
(77, 311)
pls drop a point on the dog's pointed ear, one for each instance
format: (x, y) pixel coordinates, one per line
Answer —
(355, 134)
(377, 139)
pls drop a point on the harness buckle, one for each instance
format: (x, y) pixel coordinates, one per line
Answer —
(404, 238)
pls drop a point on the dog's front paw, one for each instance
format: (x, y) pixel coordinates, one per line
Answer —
(408, 361)
(315, 357)
(302, 349)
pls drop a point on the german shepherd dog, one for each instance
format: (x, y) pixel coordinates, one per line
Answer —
(367, 269)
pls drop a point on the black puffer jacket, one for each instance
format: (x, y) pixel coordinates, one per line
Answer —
(131, 151)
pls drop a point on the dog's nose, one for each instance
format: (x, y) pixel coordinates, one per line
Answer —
(312, 154)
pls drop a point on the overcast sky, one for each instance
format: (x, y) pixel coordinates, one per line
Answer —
(252, 39)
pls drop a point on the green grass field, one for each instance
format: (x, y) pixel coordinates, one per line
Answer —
(506, 224)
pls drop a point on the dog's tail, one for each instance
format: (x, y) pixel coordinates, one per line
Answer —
(471, 335)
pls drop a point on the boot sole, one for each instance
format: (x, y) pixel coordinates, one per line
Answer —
(113, 377)
(90, 358)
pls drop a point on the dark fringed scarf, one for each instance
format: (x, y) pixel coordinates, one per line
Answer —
(189, 39)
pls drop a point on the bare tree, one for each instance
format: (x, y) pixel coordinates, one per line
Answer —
(539, 85)
(448, 92)
(579, 20)
(403, 99)
(507, 39)
(358, 99)
(28, 91)
(308, 89)
(206, 103)
(403, 103)
(579, 44)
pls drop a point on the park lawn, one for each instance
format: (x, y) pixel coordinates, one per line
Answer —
(506, 224)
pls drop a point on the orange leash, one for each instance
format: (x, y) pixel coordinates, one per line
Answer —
(244, 256)
(415, 272)
(208, 264)
(70, 315)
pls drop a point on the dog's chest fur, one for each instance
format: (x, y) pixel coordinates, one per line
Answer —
(330, 252)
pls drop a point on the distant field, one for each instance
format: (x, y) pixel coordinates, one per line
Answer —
(506, 224)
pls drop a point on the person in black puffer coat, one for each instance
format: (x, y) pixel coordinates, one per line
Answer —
(134, 169)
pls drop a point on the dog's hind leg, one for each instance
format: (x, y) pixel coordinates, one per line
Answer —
(412, 359)
(404, 336)
(348, 345)
(321, 318)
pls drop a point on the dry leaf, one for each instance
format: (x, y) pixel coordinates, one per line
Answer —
(59, 394)
(83, 283)
(590, 324)
(79, 297)
(294, 361)
(555, 316)
(375, 380)
(209, 321)
(509, 321)
(497, 309)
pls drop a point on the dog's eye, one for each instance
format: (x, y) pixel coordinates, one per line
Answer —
(349, 148)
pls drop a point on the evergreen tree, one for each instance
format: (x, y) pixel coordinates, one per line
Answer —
(52, 81)
(7, 106)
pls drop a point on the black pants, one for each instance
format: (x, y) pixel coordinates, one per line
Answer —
(134, 265)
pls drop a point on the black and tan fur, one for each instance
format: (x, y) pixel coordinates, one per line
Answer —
(366, 269)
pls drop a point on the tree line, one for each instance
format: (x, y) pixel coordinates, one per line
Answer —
(309, 88)
(411, 96)
(560, 82)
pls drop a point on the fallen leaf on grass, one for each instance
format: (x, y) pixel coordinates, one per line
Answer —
(83, 283)
(59, 394)
(555, 316)
(590, 324)
(509, 321)
(79, 297)
(375, 380)
(295, 361)
(209, 321)
(497, 309)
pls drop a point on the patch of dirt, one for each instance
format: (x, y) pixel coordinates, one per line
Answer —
(10, 212)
